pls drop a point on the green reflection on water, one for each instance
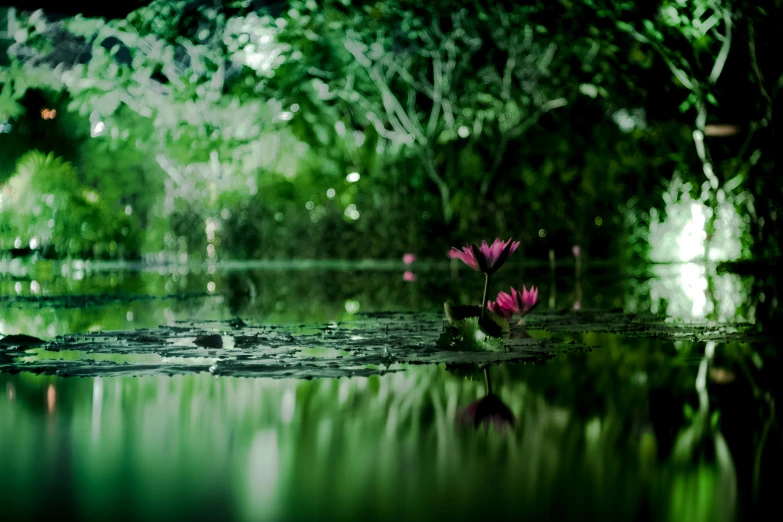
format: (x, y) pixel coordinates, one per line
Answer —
(115, 296)
(38, 354)
(382, 447)
(595, 438)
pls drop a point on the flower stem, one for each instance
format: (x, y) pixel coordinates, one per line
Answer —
(484, 299)
(488, 381)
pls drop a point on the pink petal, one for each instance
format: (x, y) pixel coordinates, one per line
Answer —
(466, 256)
(408, 258)
(515, 296)
(507, 301)
(408, 276)
(486, 251)
(499, 310)
(529, 297)
(494, 252)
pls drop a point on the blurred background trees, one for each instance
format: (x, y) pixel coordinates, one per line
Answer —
(347, 129)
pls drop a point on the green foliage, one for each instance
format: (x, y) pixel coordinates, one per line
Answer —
(462, 121)
(44, 205)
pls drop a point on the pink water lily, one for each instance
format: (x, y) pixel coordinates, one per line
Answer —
(495, 308)
(517, 302)
(485, 258)
(408, 258)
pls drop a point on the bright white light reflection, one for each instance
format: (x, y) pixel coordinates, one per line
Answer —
(353, 177)
(287, 407)
(264, 473)
(690, 241)
(344, 392)
(682, 238)
(685, 291)
(97, 405)
(693, 281)
(97, 129)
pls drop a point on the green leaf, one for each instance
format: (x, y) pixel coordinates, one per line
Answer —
(492, 324)
(468, 336)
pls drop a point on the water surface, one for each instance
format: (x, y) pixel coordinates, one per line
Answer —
(607, 422)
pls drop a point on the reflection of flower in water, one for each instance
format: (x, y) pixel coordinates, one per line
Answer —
(489, 411)
(721, 375)
(408, 276)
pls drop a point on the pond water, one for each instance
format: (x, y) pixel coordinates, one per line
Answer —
(332, 399)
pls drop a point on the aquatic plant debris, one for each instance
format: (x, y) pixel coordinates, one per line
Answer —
(369, 345)
(643, 325)
(20, 341)
(88, 300)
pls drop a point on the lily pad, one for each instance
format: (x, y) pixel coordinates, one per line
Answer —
(643, 325)
(209, 341)
(467, 336)
(370, 344)
(20, 341)
(491, 324)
